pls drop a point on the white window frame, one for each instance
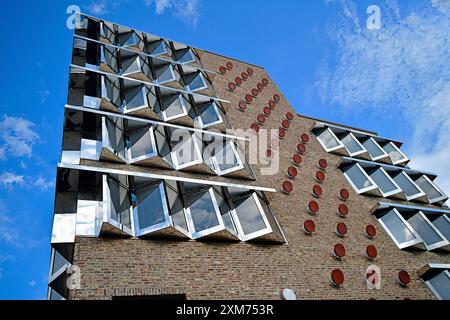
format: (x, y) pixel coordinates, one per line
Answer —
(448, 221)
(417, 195)
(394, 192)
(167, 221)
(192, 55)
(405, 158)
(183, 106)
(205, 84)
(367, 189)
(140, 65)
(435, 245)
(190, 221)
(233, 169)
(145, 156)
(340, 146)
(377, 145)
(106, 143)
(443, 196)
(197, 149)
(202, 124)
(172, 72)
(363, 150)
(145, 105)
(406, 244)
(238, 224)
(432, 289)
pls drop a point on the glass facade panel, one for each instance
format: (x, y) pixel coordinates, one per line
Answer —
(328, 139)
(351, 144)
(406, 185)
(150, 208)
(428, 188)
(443, 225)
(382, 181)
(441, 285)
(203, 212)
(397, 227)
(141, 142)
(373, 148)
(120, 203)
(249, 215)
(393, 152)
(358, 177)
(424, 230)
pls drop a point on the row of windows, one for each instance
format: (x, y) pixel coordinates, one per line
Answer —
(96, 137)
(344, 142)
(416, 228)
(391, 181)
(125, 37)
(97, 91)
(438, 281)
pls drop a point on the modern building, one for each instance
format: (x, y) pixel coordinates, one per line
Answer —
(160, 194)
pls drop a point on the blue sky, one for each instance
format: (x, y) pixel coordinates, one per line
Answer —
(395, 80)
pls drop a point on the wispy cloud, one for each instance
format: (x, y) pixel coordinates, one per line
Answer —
(42, 183)
(401, 69)
(185, 10)
(17, 137)
(10, 180)
(8, 233)
(32, 283)
(98, 8)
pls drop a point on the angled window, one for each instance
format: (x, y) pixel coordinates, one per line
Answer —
(354, 147)
(203, 213)
(134, 65)
(250, 217)
(384, 182)
(185, 56)
(395, 154)
(442, 223)
(208, 115)
(173, 105)
(328, 140)
(166, 73)
(427, 231)
(411, 190)
(398, 229)
(176, 208)
(141, 144)
(433, 193)
(113, 139)
(440, 285)
(157, 46)
(225, 211)
(225, 158)
(129, 39)
(195, 81)
(374, 149)
(151, 209)
(118, 203)
(358, 178)
(186, 149)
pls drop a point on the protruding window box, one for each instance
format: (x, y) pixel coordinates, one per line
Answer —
(433, 192)
(427, 231)
(387, 186)
(166, 74)
(409, 187)
(130, 39)
(96, 56)
(361, 182)
(353, 146)
(397, 157)
(226, 159)
(134, 65)
(139, 100)
(158, 47)
(174, 107)
(330, 142)
(376, 152)
(184, 54)
(209, 115)
(113, 141)
(95, 29)
(57, 279)
(196, 81)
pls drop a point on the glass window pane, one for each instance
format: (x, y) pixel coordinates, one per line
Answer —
(173, 106)
(351, 144)
(186, 57)
(185, 151)
(425, 231)
(443, 225)
(208, 114)
(225, 212)
(226, 158)
(249, 215)
(396, 226)
(328, 139)
(115, 135)
(428, 188)
(164, 73)
(373, 149)
(136, 97)
(203, 212)
(197, 82)
(358, 178)
(141, 142)
(150, 207)
(405, 184)
(393, 152)
(382, 181)
(441, 284)
(58, 261)
(175, 206)
(120, 203)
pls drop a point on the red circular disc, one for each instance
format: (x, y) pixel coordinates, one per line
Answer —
(320, 176)
(269, 154)
(344, 194)
(301, 148)
(285, 123)
(255, 92)
(313, 206)
(260, 86)
(255, 127)
(297, 159)
(309, 226)
(244, 75)
(404, 278)
(242, 105)
(232, 86)
(343, 210)
(371, 231)
(272, 104)
(287, 186)
(222, 69)
(248, 98)
(317, 190)
(249, 71)
(337, 277)
(276, 97)
(304, 137)
(265, 81)
(371, 251)
(341, 229)
(292, 172)
(323, 164)
(339, 250)
(289, 116)
(261, 119)
(238, 80)
(281, 133)
(267, 111)
(229, 65)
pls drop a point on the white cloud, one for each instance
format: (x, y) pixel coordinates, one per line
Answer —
(10, 180)
(185, 10)
(98, 8)
(42, 183)
(17, 137)
(32, 283)
(401, 69)
(8, 233)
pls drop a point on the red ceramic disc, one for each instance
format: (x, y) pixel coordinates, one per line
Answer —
(242, 105)
(323, 164)
(261, 118)
(255, 92)
(313, 206)
(301, 148)
(281, 133)
(232, 86)
(287, 186)
(244, 75)
(371, 231)
(317, 190)
(255, 127)
(404, 278)
(320, 176)
(265, 81)
(269, 153)
(343, 210)
(260, 86)
(309, 226)
(339, 250)
(304, 137)
(337, 277)
(229, 65)
(276, 97)
(371, 251)
(238, 80)
(344, 194)
(341, 229)
(297, 159)
(250, 71)
(285, 123)
(292, 172)
(222, 69)
(267, 111)
(272, 104)
(248, 98)
(289, 116)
